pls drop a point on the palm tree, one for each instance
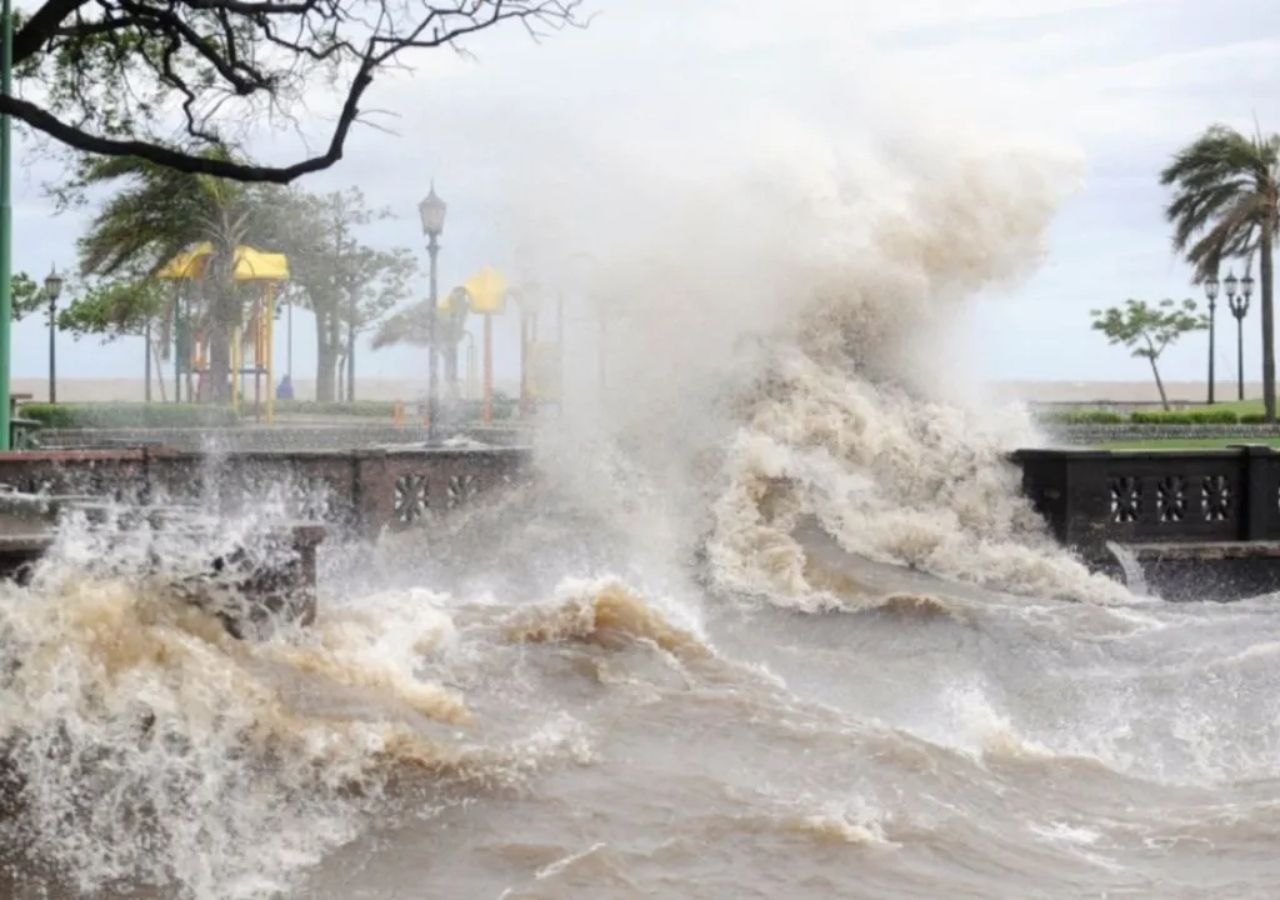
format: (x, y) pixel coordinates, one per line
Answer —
(412, 325)
(1226, 190)
(159, 214)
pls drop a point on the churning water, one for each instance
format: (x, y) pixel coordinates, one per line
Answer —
(783, 629)
(507, 730)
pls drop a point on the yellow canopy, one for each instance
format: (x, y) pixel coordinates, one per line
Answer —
(250, 264)
(488, 291)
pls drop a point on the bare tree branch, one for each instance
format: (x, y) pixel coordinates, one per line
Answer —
(105, 76)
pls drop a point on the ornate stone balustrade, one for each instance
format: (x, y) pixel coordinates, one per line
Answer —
(366, 490)
(1090, 497)
(1200, 517)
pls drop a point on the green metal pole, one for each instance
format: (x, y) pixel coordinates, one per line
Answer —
(6, 228)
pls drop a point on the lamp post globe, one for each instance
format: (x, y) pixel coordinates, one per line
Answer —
(432, 211)
(53, 284)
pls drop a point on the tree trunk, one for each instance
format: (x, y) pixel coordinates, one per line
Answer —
(225, 318)
(351, 363)
(1268, 323)
(451, 371)
(155, 355)
(326, 360)
(1164, 401)
(324, 377)
(219, 363)
(324, 365)
(146, 356)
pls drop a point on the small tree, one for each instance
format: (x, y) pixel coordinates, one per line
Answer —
(27, 296)
(334, 274)
(120, 307)
(1148, 330)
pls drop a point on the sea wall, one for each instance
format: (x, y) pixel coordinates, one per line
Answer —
(365, 491)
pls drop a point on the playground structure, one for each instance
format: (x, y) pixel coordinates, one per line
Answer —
(193, 350)
(252, 350)
(487, 290)
(540, 361)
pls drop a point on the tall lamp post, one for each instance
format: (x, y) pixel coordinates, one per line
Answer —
(1211, 292)
(6, 224)
(52, 290)
(1239, 304)
(432, 210)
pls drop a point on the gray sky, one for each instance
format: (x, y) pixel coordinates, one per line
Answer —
(1113, 86)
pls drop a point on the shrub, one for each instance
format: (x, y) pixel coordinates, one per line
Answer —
(1090, 417)
(373, 409)
(472, 411)
(129, 415)
(1189, 417)
(1215, 417)
(1253, 419)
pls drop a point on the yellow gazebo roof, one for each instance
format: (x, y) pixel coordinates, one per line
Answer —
(488, 291)
(250, 264)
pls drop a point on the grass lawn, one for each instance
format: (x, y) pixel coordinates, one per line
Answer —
(1240, 407)
(1188, 443)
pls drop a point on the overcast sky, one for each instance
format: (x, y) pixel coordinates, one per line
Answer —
(1115, 85)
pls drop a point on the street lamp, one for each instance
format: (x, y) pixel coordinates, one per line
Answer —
(6, 225)
(52, 290)
(1211, 292)
(1239, 304)
(432, 210)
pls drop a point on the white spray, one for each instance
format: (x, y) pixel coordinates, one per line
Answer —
(779, 344)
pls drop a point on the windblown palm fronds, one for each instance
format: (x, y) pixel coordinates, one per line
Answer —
(1225, 205)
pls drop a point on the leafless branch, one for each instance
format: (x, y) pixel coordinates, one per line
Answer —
(98, 67)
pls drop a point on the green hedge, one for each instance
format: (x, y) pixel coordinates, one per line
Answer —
(1190, 417)
(1154, 417)
(1090, 417)
(372, 409)
(504, 407)
(128, 415)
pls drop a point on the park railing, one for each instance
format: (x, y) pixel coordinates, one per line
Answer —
(1092, 497)
(365, 490)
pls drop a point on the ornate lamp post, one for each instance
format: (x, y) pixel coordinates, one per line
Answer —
(1211, 292)
(6, 224)
(52, 290)
(432, 210)
(1239, 304)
